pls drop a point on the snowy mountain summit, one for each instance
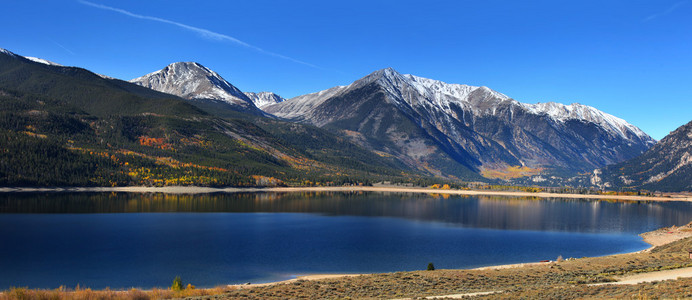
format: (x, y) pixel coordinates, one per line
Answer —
(464, 103)
(483, 101)
(193, 81)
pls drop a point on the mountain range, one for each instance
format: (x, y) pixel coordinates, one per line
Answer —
(456, 129)
(438, 128)
(413, 124)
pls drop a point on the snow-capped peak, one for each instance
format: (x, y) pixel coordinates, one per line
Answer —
(413, 91)
(192, 80)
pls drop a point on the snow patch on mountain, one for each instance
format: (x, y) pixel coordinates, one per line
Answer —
(8, 52)
(437, 89)
(575, 111)
(42, 61)
(263, 99)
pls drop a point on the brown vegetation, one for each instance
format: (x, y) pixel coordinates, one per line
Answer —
(108, 294)
(567, 279)
(510, 172)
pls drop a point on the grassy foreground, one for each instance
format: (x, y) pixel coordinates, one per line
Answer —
(568, 279)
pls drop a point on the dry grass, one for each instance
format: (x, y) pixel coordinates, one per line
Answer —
(107, 294)
(510, 172)
(568, 279)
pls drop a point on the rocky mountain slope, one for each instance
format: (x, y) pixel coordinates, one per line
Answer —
(455, 130)
(667, 166)
(192, 81)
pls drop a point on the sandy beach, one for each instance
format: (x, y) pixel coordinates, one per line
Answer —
(383, 189)
(667, 235)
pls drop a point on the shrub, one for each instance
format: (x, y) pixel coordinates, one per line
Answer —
(177, 284)
(431, 267)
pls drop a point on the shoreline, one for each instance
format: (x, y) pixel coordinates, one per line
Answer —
(655, 238)
(382, 189)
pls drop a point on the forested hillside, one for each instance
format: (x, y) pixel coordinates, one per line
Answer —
(65, 126)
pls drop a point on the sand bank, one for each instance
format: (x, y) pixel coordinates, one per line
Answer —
(302, 277)
(667, 235)
(390, 189)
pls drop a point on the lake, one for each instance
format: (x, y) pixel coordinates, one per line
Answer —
(122, 240)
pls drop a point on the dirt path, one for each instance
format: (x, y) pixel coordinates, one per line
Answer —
(456, 296)
(654, 276)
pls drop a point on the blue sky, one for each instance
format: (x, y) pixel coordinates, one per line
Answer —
(629, 58)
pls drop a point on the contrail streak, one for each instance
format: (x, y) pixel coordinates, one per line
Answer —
(667, 11)
(201, 31)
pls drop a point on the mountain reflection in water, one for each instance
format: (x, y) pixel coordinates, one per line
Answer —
(493, 212)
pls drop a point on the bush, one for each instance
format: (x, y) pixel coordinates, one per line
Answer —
(431, 267)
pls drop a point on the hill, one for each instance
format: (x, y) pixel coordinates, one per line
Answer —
(66, 126)
(667, 166)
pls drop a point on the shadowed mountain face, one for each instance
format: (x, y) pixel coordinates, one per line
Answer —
(667, 166)
(459, 130)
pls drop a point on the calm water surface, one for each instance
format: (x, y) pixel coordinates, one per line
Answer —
(122, 240)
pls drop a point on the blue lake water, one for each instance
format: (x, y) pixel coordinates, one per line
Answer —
(145, 240)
